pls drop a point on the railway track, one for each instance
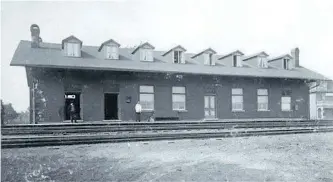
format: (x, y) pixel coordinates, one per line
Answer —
(14, 136)
(134, 127)
(33, 141)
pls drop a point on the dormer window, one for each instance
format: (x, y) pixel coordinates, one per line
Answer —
(144, 52)
(177, 56)
(208, 59)
(146, 55)
(110, 48)
(262, 62)
(73, 50)
(72, 46)
(206, 56)
(236, 62)
(112, 52)
(286, 64)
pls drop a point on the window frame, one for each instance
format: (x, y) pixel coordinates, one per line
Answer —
(263, 63)
(174, 93)
(151, 93)
(266, 95)
(75, 49)
(146, 53)
(285, 64)
(179, 56)
(109, 52)
(234, 95)
(286, 94)
(234, 60)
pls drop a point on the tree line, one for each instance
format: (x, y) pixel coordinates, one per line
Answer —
(10, 116)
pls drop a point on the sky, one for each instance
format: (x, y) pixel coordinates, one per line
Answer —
(273, 26)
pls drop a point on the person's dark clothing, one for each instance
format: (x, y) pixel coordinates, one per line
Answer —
(72, 113)
(138, 116)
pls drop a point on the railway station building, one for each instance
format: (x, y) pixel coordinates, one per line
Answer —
(106, 81)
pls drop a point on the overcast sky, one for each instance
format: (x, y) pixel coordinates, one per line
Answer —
(248, 25)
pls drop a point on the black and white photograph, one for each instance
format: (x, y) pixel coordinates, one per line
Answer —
(167, 90)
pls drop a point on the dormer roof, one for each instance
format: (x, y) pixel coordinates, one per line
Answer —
(262, 54)
(146, 44)
(209, 50)
(281, 57)
(72, 37)
(108, 42)
(177, 47)
(232, 53)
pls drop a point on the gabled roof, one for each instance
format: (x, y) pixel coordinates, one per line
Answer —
(206, 50)
(280, 57)
(256, 55)
(72, 37)
(106, 43)
(232, 53)
(177, 47)
(142, 45)
(50, 55)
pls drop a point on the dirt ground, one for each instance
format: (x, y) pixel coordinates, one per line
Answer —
(303, 157)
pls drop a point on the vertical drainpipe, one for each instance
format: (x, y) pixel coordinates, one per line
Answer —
(33, 104)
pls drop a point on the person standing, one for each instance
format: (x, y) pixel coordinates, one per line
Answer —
(72, 112)
(138, 109)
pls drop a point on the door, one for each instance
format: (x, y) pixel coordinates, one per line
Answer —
(210, 106)
(72, 97)
(110, 106)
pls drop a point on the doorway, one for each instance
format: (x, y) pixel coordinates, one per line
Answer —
(72, 97)
(111, 106)
(210, 107)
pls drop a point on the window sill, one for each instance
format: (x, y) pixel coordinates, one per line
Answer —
(263, 110)
(237, 110)
(286, 110)
(180, 110)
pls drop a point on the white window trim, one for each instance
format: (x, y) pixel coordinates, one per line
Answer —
(184, 94)
(237, 94)
(144, 53)
(286, 110)
(180, 57)
(287, 64)
(147, 92)
(74, 52)
(263, 95)
(262, 62)
(111, 47)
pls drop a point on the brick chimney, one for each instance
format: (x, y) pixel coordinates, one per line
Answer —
(295, 55)
(35, 39)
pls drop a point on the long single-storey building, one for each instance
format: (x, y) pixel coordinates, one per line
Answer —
(105, 82)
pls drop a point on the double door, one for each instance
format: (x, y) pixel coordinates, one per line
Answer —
(210, 106)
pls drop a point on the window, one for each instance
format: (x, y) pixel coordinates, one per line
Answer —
(208, 59)
(286, 64)
(147, 97)
(177, 56)
(262, 99)
(146, 55)
(286, 100)
(236, 62)
(237, 99)
(178, 98)
(263, 63)
(73, 49)
(112, 52)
